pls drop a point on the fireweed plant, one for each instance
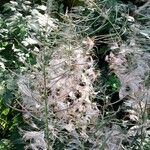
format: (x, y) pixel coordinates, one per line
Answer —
(82, 79)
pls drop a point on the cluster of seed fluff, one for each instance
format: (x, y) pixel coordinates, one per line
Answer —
(69, 86)
(132, 68)
(131, 65)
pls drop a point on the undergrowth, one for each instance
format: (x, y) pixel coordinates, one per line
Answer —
(75, 75)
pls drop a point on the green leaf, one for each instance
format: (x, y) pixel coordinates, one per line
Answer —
(6, 111)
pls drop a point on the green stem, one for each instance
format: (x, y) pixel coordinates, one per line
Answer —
(46, 104)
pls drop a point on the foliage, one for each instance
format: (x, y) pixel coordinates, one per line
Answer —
(65, 75)
(12, 57)
(9, 119)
